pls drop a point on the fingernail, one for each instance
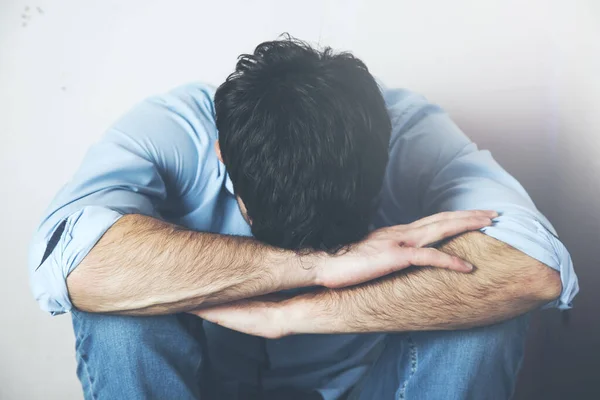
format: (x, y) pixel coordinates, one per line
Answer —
(493, 213)
(469, 266)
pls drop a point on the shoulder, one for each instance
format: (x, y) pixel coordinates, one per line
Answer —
(184, 112)
(407, 109)
(176, 131)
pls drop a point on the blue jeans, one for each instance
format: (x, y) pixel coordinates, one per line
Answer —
(164, 357)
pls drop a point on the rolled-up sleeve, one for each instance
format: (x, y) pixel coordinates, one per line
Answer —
(441, 169)
(127, 172)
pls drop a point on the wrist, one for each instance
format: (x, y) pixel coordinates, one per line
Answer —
(293, 270)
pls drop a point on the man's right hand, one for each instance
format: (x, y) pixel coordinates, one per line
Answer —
(394, 248)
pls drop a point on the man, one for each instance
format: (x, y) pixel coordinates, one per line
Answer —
(298, 211)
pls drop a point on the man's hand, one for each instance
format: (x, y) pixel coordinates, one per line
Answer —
(394, 248)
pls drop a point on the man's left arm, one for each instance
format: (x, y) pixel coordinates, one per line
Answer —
(520, 263)
(435, 167)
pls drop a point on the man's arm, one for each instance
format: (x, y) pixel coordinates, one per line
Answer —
(505, 283)
(156, 162)
(103, 246)
(520, 263)
(142, 265)
(435, 167)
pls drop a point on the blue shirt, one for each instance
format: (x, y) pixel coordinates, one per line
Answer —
(159, 160)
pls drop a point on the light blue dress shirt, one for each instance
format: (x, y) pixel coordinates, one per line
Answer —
(159, 160)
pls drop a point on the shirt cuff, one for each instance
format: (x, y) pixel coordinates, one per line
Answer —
(530, 236)
(82, 231)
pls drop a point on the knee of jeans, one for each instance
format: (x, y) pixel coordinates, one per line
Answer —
(116, 332)
(502, 335)
(494, 339)
(508, 336)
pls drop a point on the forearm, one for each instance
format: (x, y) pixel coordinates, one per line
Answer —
(506, 283)
(145, 266)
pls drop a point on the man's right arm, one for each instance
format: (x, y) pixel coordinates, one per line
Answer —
(102, 245)
(139, 172)
(142, 265)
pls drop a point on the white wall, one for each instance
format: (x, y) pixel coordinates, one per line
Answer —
(520, 77)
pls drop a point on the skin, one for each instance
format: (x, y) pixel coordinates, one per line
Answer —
(504, 284)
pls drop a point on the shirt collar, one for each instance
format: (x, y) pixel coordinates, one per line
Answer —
(229, 184)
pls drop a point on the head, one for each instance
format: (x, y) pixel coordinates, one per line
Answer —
(304, 136)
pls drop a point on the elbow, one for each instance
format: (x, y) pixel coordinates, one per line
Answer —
(543, 284)
(552, 286)
(81, 294)
(90, 290)
(76, 291)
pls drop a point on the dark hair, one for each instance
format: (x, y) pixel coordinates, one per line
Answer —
(304, 136)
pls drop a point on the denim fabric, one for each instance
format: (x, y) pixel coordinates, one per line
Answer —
(169, 357)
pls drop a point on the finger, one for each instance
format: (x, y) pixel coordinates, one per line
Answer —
(426, 256)
(443, 229)
(453, 215)
(447, 215)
